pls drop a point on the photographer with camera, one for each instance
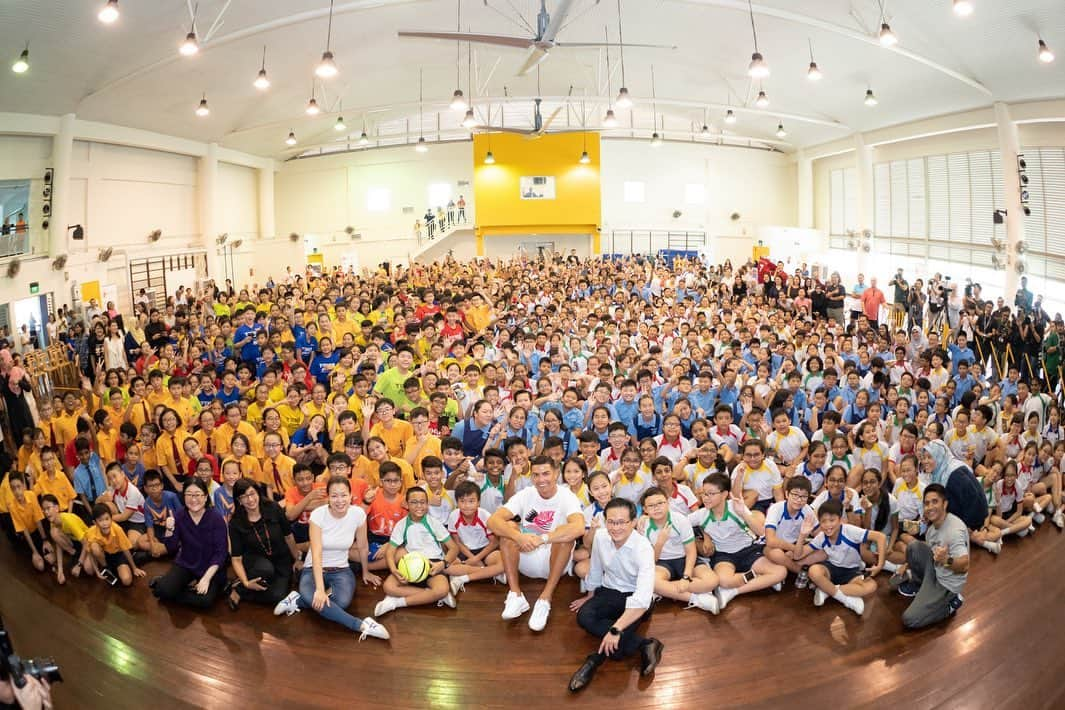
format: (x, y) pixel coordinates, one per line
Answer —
(25, 683)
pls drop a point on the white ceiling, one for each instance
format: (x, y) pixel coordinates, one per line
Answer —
(130, 73)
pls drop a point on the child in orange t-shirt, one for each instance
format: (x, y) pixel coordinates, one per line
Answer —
(386, 507)
(300, 500)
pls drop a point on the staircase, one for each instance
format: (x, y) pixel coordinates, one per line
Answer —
(459, 240)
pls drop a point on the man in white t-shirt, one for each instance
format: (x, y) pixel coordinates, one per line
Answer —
(536, 529)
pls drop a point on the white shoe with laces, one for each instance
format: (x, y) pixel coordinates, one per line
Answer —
(855, 604)
(514, 606)
(449, 600)
(778, 586)
(385, 605)
(705, 601)
(1059, 519)
(500, 578)
(288, 606)
(538, 619)
(993, 547)
(458, 583)
(819, 597)
(372, 628)
(724, 596)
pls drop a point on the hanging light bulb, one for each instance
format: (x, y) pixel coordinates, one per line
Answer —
(705, 130)
(623, 100)
(656, 140)
(469, 121)
(489, 159)
(339, 126)
(108, 13)
(421, 146)
(202, 110)
(963, 8)
(291, 140)
(1045, 55)
(870, 99)
(730, 118)
(780, 130)
(190, 46)
(262, 83)
(813, 73)
(887, 37)
(762, 101)
(326, 68)
(610, 120)
(22, 64)
(584, 159)
(458, 102)
(758, 69)
(312, 107)
(363, 140)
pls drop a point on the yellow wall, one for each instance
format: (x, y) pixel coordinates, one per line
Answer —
(500, 209)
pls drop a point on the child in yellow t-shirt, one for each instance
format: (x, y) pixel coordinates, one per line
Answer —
(26, 516)
(109, 549)
(68, 532)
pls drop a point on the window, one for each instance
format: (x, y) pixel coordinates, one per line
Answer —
(695, 193)
(843, 201)
(633, 191)
(378, 199)
(439, 194)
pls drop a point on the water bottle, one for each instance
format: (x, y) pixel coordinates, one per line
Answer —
(802, 581)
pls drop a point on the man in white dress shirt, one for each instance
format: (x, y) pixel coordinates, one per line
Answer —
(620, 587)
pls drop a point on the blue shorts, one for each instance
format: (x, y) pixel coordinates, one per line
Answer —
(675, 567)
(742, 561)
(842, 575)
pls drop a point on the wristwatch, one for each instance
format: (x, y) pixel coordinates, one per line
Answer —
(614, 631)
(950, 562)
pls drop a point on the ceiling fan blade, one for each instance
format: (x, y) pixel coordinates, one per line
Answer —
(556, 20)
(504, 129)
(547, 123)
(499, 40)
(536, 55)
(614, 45)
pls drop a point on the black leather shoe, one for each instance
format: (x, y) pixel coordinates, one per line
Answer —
(584, 674)
(652, 654)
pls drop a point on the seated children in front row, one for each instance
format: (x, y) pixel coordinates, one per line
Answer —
(159, 504)
(678, 574)
(842, 575)
(107, 549)
(26, 515)
(788, 524)
(67, 533)
(479, 556)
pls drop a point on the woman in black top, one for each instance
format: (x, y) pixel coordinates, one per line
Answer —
(262, 549)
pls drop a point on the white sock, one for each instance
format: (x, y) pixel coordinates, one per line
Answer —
(401, 601)
(890, 566)
(839, 596)
(1006, 532)
(462, 578)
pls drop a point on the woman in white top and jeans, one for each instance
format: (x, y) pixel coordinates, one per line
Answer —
(335, 530)
(115, 348)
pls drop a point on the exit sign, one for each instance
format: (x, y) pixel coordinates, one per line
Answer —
(35, 287)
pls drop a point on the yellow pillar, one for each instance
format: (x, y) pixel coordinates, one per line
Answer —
(480, 243)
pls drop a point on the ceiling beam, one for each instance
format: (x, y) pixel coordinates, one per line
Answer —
(872, 40)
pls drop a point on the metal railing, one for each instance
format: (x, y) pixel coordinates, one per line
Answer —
(15, 243)
(650, 241)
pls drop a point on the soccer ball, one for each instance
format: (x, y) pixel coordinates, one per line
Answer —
(414, 567)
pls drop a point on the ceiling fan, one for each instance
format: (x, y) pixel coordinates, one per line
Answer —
(547, 28)
(540, 126)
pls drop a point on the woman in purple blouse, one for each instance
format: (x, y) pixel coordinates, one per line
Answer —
(197, 537)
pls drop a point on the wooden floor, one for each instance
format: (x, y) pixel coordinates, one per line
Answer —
(121, 649)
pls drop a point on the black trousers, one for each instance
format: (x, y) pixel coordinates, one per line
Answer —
(174, 587)
(276, 577)
(601, 612)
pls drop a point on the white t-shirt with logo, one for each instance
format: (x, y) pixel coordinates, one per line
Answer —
(539, 516)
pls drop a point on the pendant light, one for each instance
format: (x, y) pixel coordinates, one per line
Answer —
(203, 110)
(1045, 55)
(327, 68)
(339, 126)
(656, 140)
(108, 13)
(489, 159)
(262, 83)
(312, 105)
(623, 101)
(963, 8)
(421, 146)
(781, 133)
(758, 68)
(191, 45)
(363, 138)
(291, 140)
(870, 98)
(730, 118)
(887, 37)
(762, 101)
(814, 72)
(458, 100)
(584, 159)
(469, 121)
(22, 64)
(609, 120)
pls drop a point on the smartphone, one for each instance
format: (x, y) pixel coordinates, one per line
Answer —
(109, 577)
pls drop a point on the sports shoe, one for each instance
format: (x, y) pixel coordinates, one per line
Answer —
(899, 578)
(705, 601)
(449, 600)
(819, 597)
(954, 604)
(993, 547)
(458, 583)
(514, 606)
(778, 586)
(288, 606)
(500, 578)
(908, 589)
(1024, 533)
(372, 628)
(1059, 519)
(538, 619)
(724, 596)
(1039, 518)
(855, 604)
(385, 605)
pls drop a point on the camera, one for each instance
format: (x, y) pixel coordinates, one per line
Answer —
(15, 669)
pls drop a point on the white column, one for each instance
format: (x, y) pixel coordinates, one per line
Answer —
(208, 212)
(267, 226)
(863, 162)
(805, 190)
(1009, 146)
(62, 156)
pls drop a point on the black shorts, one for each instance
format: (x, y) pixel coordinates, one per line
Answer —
(842, 575)
(475, 552)
(1009, 513)
(139, 527)
(742, 561)
(114, 560)
(675, 567)
(762, 506)
(301, 532)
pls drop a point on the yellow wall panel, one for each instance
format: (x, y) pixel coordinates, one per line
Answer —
(576, 207)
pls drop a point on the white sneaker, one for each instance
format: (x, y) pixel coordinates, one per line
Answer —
(500, 578)
(458, 583)
(855, 604)
(1039, 518)
(385, 605)
(724, 596)
(778, 586)
(288, 606)
(993, 547)
(1059, 519)
(449, 600)
(538, 618)
(819, 597)
(372, 628)
(515, 606)
(1024, 533)
(705, 601)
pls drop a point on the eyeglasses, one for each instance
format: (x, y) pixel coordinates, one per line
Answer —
(194, 496)
(799, 495)
(617, 523)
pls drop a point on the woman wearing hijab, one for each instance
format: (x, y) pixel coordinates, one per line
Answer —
(15, 383)
(965, 495)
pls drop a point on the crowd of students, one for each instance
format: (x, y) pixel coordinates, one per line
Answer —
(278, 442)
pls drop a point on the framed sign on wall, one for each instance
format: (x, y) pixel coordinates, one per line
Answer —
(537, 187)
